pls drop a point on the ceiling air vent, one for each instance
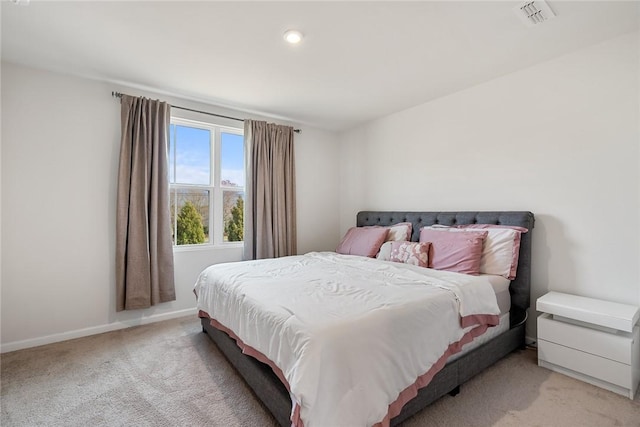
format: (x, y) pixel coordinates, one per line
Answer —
(534, 12)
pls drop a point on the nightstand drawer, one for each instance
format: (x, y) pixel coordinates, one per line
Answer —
(585, 363)
(616, 347)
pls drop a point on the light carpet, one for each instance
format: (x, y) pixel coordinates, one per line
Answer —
(170, 374)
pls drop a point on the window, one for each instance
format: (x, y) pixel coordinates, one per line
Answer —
(206, 181)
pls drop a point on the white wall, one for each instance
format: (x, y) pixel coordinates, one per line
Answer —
(560, 139)
(60, 151)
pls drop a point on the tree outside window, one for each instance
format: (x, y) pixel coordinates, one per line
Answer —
(206, 163)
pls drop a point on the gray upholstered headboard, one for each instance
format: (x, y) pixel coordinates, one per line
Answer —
(520, 287)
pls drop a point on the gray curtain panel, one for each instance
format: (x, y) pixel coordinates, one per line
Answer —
(270, 209)
(144, 252)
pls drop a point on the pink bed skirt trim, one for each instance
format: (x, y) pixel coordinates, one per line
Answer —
(423, 380)
(479, 319)
(247, 349)
(483, 322)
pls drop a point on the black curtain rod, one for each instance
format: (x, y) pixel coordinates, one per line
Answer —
(119, 95)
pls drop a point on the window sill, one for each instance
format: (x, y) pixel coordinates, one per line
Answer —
(198, 248)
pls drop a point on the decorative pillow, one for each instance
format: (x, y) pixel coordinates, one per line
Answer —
(410, 253)
(384, 254)
(460, 252)
(363, 241)
(397, 232)
(501, 247)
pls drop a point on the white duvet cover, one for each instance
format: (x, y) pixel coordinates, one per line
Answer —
(349, 333)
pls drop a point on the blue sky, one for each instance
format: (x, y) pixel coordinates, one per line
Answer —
(233, 158)
(194, 156)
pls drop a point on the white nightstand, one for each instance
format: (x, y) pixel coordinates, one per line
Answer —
(592, 340)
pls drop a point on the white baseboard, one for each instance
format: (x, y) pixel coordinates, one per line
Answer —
(79, 333)
(530, 342)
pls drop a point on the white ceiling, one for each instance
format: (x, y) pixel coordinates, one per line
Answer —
(359, 60)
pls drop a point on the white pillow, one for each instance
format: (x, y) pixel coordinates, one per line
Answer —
(399, 232)
(384, 254)
(500, 250)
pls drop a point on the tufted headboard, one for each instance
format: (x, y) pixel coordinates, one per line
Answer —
(520, 287)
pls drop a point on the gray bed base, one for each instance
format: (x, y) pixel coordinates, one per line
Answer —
(273, 393)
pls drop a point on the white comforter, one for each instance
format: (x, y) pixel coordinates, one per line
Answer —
(349, 333)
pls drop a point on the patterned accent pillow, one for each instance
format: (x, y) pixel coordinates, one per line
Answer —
(410, 253)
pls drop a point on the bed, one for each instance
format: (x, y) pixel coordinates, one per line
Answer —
(270, 387)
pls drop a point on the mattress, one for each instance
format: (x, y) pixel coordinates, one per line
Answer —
(491, 333)
(368, 307)
(500, 286)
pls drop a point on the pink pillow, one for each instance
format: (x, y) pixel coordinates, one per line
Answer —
(363, 241)
(410, 253)
(460, 252)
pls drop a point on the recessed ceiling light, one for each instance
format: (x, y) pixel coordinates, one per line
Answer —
(293, 36)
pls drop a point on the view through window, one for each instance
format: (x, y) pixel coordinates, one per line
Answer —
(206, 181)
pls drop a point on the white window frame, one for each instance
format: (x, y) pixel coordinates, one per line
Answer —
(216, 190)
